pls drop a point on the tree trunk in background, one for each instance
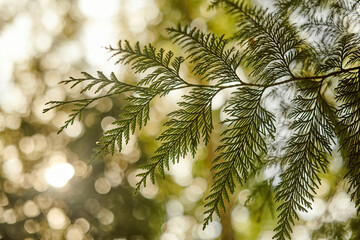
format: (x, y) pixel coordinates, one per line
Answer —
(227, 232)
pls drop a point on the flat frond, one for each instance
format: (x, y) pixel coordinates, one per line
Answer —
(164, 67)
(348, 93)
(331, 28)
(186, 127)
(213, 60)
(342, 54)
(271, 43)
(135, 113)
(76, 111)
(111, 85)
(305, 8)
(241, 146)
(305, 157)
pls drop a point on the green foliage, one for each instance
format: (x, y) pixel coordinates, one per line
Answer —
(273, 49)
(260, 199)
(354, 227)
(241, 147)
(192, 121)
(335, 231)
(348, 92)
(164, 77)
(305, 155)
(115, 87)
(271, 42)
(211, 59)
(136, 113)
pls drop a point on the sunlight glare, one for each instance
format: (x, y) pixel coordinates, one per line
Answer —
(58, 175)
(57, 219)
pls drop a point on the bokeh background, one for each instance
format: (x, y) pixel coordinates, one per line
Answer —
(47, 188)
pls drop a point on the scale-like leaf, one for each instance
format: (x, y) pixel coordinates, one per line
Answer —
(187, 125)
(212, 59)
(305, 157)
(136, 113)
(348, 92)
(164, 67)
(241, 147)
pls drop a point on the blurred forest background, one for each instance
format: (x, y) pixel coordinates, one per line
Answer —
(47, 188)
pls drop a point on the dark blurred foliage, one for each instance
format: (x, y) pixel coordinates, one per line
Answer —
(29, 137)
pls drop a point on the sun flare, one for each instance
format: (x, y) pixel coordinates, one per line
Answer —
(58, 175)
